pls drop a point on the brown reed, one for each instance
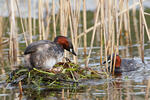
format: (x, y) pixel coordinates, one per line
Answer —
(30, 20)
(13, 45)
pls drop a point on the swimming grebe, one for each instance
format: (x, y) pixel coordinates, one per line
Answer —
(45, 54)
(123, 65)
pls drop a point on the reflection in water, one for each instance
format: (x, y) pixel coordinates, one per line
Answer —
(118, 87)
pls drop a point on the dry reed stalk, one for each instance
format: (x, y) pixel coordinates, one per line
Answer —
(22, 25)
(62, 5)
(74, 22)
(135, 24)
(131, 7)
(117, 20)
(104, 32)
(66, 18)
(136, 28)
(129, 29)
(47, 23)
(34, 20)
(118, 29)
(84, 29)
(68, 93)
(39, 20)
(145, 13)
(101, 29)
(94, 31)
(114, 28)
(48, 20)
(63, 94)
(128, 19)
(88, 30)
(109, 32)
(119, 36)
(25, 21)
(61, 17)
(29, 20)
(64, 15)
(147, 90)
(71, 26)
(126, 25)
(13, 46)
(142, 23)
(122, 12)
(113, 48)
(53, 14)
(1, 46)
(144, 20)
(20, 88)
(42, 22)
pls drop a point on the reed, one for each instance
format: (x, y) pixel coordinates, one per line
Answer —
(13, 45)
(54, 19)
(84, 30)
(1, 46)
(30, 20)
(22, 24)
(94, 31)
(111, 26)
(147, 90)
(39, 20)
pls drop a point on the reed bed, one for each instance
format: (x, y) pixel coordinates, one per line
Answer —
(111, 26)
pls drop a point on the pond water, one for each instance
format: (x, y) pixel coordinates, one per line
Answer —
(134, 85)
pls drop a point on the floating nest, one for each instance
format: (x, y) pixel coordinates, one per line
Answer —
(63, 74)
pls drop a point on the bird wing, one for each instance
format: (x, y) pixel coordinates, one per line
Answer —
(33, 47)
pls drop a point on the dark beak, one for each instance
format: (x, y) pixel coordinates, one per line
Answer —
(104, 62)
(73, 52)
(107, 61)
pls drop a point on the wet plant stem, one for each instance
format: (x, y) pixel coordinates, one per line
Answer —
(52, 83)
(73, 76)
(29, 74)
(44, 72)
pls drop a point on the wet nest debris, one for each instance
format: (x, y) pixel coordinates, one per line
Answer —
(63, 75)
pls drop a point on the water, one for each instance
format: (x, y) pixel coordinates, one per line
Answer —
(133, 85)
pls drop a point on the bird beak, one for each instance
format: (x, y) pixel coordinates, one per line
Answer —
(107, 61)
(104, 62)
(73, 52)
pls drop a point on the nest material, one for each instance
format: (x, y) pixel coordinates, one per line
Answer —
(63, 74)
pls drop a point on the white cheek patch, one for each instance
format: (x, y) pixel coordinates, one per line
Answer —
(109, 61)
(71, 50)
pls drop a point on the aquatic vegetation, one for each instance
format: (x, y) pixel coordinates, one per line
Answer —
(64, 74)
